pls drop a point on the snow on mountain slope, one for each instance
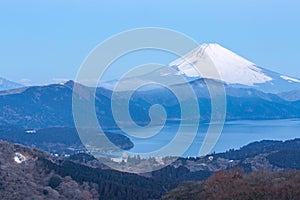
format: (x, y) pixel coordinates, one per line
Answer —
(289, 79)
(232, 68)
(213, 61)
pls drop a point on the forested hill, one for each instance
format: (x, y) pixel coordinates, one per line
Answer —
(36, 174)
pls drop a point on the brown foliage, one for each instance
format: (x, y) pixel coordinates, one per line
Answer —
(235, 184)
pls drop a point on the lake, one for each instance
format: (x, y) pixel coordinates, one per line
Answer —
(235, 134)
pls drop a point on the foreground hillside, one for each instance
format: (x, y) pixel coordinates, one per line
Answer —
(32, 174)
(260, 170)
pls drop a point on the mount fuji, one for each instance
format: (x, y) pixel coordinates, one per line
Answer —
(215, 63)
(232, 69)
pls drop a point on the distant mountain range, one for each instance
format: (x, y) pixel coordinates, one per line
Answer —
(8, 85)
(251, 92)
(50, 106)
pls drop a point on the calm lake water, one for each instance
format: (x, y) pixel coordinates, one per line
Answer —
(235, 134)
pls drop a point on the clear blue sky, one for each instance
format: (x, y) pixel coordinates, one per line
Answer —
(45, 40)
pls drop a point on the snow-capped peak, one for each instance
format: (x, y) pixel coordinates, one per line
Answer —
(231, 68)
